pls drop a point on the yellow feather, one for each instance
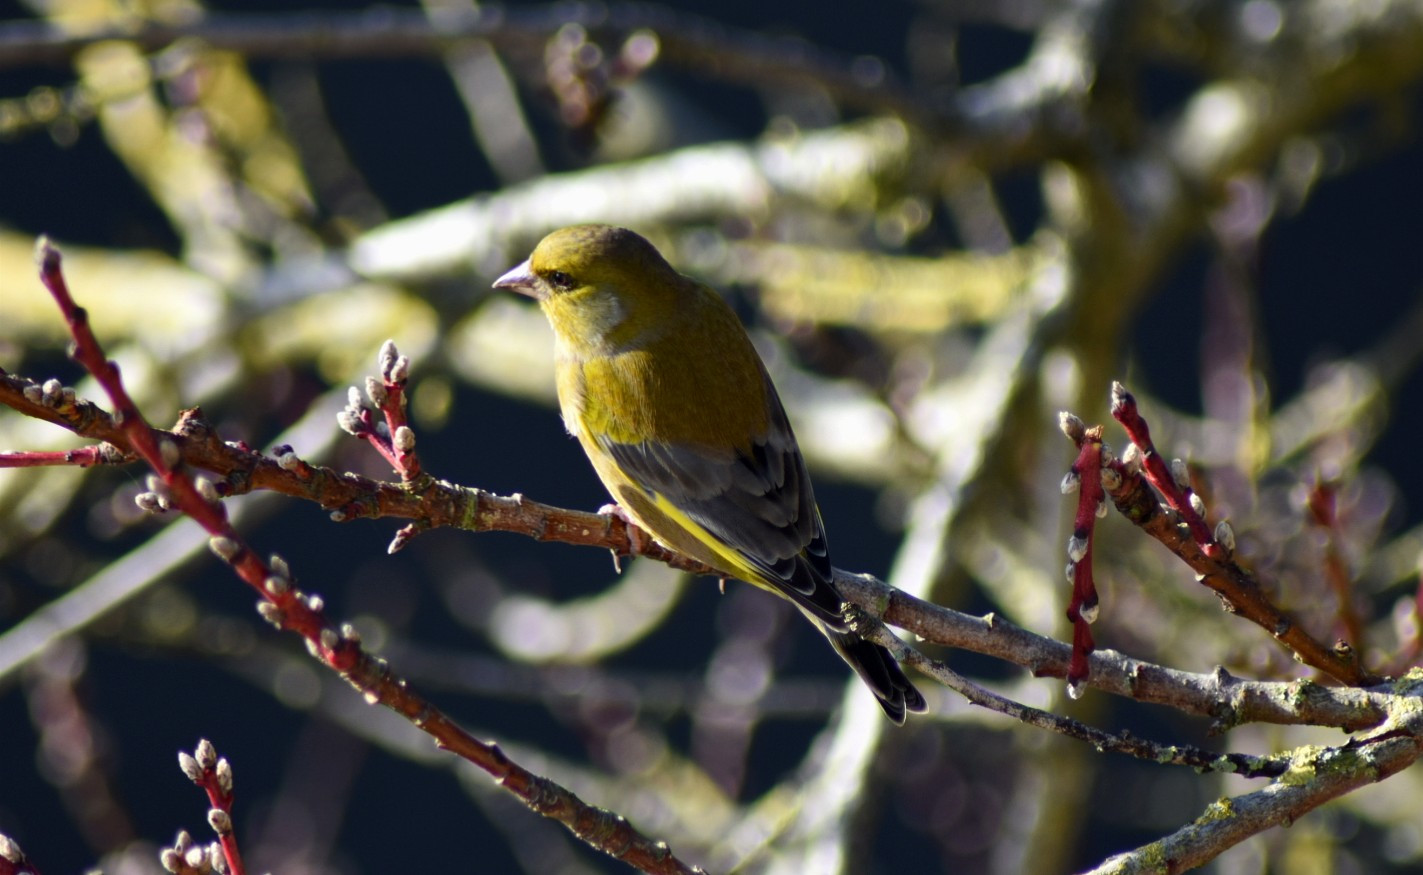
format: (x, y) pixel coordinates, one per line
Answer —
(661, 385)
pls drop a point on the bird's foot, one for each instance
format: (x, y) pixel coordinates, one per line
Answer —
(637, 543)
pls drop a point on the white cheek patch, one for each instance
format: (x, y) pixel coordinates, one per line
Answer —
(599, 315)
(605, 313)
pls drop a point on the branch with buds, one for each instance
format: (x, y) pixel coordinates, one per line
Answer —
(214, 775)
(1158, 498)
(1083, 606)
(13, 860)
(1153, 494)
(286, 607)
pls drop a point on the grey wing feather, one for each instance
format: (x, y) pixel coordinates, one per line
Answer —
(760, 504)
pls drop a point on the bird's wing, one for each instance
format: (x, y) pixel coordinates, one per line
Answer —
(758, 504)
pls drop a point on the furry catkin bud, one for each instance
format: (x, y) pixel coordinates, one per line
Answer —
(205, 754)
(1131, 459)
(404, 439)
(226, 548)
(1072, 426)
(1225, 536)
(375, 390)
(1181, 473)
(190, 766)
(220, 821)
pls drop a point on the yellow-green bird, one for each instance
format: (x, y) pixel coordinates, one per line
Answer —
(660, 384)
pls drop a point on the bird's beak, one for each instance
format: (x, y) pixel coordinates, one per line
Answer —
(519, 279)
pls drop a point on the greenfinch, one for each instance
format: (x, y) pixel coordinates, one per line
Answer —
(659, 382)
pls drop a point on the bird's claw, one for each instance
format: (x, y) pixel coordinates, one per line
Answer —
(636, 543)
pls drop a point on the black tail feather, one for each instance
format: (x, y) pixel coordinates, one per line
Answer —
(880, 672)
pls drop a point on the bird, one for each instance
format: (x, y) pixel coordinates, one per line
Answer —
(661, 385)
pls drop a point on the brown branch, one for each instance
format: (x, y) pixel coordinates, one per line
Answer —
(1227, 700)
(349, 496)
(1316, 776)
(1123, 742)
(287, 607)
(1171, 481)
(437, 503)
(1180, 525)
(698, 44)
(1030, 112)
(1239, 592)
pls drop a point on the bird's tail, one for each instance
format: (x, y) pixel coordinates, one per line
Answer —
(880, 672)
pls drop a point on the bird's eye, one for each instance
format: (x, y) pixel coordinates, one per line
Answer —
(559, 280)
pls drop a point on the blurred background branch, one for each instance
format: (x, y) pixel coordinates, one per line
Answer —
(943, 220)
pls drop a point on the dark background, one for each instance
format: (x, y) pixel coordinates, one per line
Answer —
(1330, 278)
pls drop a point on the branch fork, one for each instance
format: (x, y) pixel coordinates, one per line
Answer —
(1170, 511)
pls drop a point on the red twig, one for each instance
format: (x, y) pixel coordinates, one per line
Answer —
(1173, 483)
(1179, 525)
(84, 457)
(1085, 477)
(13, 860)
(392, 438)
(1408, 621)
(162, 457)
(1322, 504)
(271, 581)
(287, 607)
(1416, 645)
(396, 440)
(214, 775)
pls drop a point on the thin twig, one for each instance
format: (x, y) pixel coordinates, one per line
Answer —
(1322, 502)
(213, 774)
(287, 607)
(1227, 700)
(1115, 742)
(1085, 477)
(84, 457)
(1316, 775)
(698, 44)
(1186, 535)
(13, 860)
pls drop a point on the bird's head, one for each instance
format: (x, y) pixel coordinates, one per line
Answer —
(599, 285)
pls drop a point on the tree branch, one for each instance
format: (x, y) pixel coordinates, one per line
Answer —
(288, 608)
(1316, 776)
(1227, 700)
